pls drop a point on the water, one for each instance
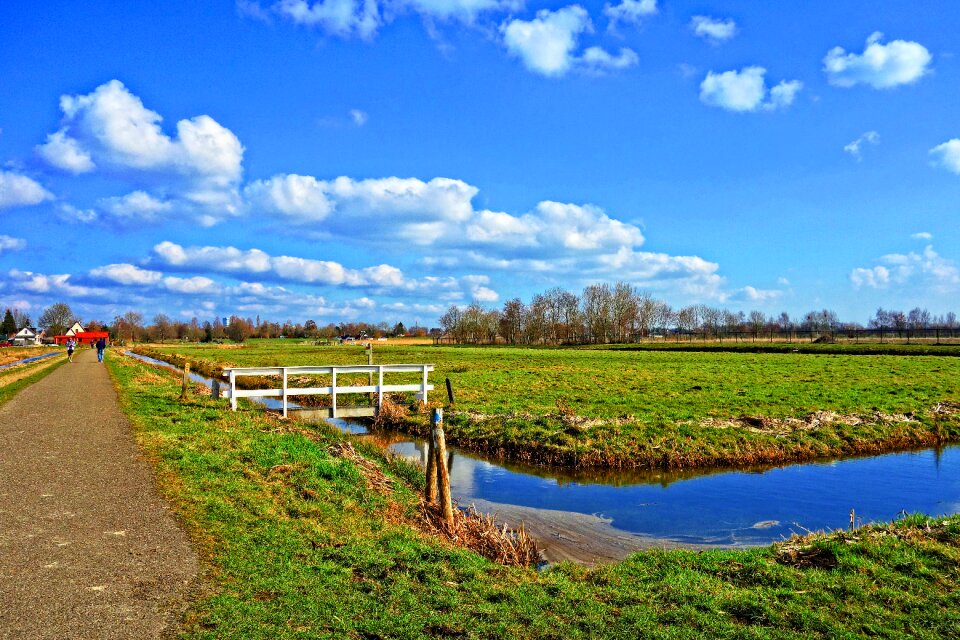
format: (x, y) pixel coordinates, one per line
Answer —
(32, 359)
(712, 507)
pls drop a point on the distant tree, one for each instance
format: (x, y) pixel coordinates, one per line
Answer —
(129, 326)
(207, 331)
(21, 318)
(757, 322)
(310, 328)
(9, 325)
(162, 326)
(239, 329)
(399, 329)
(950, 320)
(57, 318)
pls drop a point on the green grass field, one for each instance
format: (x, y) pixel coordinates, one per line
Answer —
(297, 544)
(660, 408)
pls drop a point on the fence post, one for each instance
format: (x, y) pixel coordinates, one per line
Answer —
(284, 392)
(450, 391)
(443, 474)
(215, 389)
(430, 491)
(233, 391)
(424, 387)
(186, 381)
(333, 392)
(380, 388)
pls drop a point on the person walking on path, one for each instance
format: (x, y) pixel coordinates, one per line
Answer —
(88, 549)
(101, 345)
(70, 345)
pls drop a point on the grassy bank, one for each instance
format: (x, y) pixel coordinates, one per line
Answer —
(13, 380)
(621, 408)
(297, 542)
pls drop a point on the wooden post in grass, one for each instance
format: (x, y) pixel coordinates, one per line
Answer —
(853, 520)
(215, 389)
(370, 362)
(443, 474)
(430, 493)
(450, 392)
(186, 381)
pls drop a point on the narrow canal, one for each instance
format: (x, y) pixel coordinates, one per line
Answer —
(706, 507)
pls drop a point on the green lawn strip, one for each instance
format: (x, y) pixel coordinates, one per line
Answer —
(925, 348)
(40, 369)
(618, 408)
(296, 545)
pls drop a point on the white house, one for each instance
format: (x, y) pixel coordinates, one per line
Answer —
(74, 330)
(28, 337)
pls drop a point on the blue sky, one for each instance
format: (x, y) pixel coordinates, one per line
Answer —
(383, 159)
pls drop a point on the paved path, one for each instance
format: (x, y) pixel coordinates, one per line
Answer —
(87, 547)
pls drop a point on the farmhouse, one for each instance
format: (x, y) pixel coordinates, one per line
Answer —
(78, 335)
(28, 337)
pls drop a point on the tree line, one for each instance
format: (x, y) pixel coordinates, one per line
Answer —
(601, 313)
(618, 313)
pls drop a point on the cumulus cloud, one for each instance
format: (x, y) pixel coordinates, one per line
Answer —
(946, 155)
(752, 294)
(881, 66)
(712, 29)
(70, 213)
(630, 11)
(548, 44)
(17, 190)
(9, 243)
(132, 275)
(138, 206)
(418, 208)
(358, 117)
(464, 10)
(746, 91)
(344, 18)
(111, 129)
(290, 268)
(65, 153)
(53, 284)
(854, 148)
(927, 268)
(922, 235)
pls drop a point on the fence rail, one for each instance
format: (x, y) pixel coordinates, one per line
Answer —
(333, 390)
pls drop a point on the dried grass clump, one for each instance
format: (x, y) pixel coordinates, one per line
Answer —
(801, 555)
(390, 414)
(374, 477)
(479, 533)
(810, 422)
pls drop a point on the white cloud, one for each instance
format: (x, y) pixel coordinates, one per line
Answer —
(416, 206)
(946, 155)
(65, 153)
(71, 213)
(359, 117)
(127, 274)
(596, 59)
(464, 10)
(9, 243)
(344, 18)
(138, 206)
(55, 284)
(255, 261)
(712, 29)
(752, 294)
(746, 91)
(194, 286)
(922, 235)
(870, 137)
(880, 66)
(547, 43)
(630, 11)
(914, 269)
(20, 191)
(112, 130)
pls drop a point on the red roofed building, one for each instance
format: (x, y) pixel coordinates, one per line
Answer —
(83, 337)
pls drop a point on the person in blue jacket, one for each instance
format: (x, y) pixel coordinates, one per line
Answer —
(101, 345)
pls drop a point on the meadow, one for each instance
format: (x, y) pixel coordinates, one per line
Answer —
(13, 379)
(299, 542)
(618, 407)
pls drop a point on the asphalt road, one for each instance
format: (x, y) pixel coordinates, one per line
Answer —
(87, 547)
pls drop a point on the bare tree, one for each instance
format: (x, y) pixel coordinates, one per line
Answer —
(57, 318)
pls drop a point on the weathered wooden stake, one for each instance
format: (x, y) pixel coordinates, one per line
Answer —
(370, 362)
(443, 475)
(450, 392)
(215, 389)
(430, 493)
(853, 520)
(186, 381)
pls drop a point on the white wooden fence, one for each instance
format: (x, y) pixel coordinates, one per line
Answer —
(285, 391)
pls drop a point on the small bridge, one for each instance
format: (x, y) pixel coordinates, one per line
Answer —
(373, 371)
